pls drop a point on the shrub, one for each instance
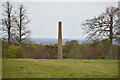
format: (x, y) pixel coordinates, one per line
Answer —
(13, 51)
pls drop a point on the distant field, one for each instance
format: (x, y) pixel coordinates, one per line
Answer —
(53, 68)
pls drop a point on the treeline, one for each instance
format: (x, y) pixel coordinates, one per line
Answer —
(71, 50)
(94, 50)
(29, 50)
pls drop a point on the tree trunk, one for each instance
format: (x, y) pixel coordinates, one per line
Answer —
(9, 36)
(20, 36)
(110, 55)
(20, 40)
(9, 28)
(111, 37)
(9, 24)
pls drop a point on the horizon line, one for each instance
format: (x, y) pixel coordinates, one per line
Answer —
(54, 38)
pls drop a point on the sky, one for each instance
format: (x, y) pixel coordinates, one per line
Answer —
(46, 15)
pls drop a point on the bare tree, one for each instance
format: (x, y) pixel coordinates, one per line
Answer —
(103, 27)
(8, 20)
(21, 25)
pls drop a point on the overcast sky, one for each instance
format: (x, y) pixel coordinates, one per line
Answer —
(45, 16)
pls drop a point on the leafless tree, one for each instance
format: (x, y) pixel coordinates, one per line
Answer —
(22, 33)
(7, 21)
(103, 27)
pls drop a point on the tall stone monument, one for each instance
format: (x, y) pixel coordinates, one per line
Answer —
(60, 40)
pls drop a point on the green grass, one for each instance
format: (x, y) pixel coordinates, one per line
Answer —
(65, 68)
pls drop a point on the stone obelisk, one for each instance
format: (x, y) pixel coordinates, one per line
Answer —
(60, 40)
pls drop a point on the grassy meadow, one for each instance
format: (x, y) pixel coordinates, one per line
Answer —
(54, 68)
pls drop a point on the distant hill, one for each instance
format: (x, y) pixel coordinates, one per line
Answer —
(51, 40)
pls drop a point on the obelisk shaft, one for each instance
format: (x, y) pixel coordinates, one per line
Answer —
(60, 40)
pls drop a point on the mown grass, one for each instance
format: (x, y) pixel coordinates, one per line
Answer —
(54, 68)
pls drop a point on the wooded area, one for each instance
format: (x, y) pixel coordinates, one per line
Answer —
(71, 50)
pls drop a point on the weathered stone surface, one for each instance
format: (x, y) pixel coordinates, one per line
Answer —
(60, 40)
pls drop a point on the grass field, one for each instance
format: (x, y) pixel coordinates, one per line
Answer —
(53, 68)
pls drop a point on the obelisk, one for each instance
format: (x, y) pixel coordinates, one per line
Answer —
(60, 40)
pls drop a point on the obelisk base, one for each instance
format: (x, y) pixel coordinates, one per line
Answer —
(59, 57)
